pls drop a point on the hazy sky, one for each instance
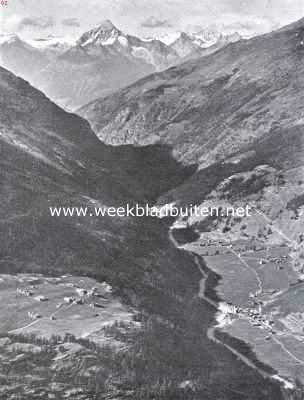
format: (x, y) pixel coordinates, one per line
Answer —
(39, 18)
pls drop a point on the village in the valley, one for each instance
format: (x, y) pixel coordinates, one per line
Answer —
(261, 295)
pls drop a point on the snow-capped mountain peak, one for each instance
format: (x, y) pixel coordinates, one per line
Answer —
(194, 43)
(170, 38)
(208, 35)
(104, 34)
(9, 38)
(105, 38)
(184, 44)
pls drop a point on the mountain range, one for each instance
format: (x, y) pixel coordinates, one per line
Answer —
(215, 107)
(100, 61)
(227, 129)
(194, 45)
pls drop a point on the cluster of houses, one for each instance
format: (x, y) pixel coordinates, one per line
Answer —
(88, 293)
(80, 299)
(25, 292)
(255, 316)
(222, 246)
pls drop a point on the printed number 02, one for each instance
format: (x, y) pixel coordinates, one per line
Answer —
(3, 3)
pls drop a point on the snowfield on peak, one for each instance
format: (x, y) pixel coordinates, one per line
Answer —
(8, 38)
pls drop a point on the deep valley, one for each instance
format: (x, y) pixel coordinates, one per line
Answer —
(150, 308)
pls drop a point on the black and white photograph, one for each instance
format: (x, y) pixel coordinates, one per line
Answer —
(152, 200)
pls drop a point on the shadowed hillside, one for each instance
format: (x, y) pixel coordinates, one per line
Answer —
(50, 157)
